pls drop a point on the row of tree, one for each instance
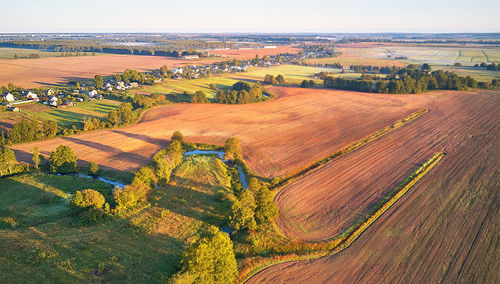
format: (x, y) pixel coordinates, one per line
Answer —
(29, 130)
(403, 81)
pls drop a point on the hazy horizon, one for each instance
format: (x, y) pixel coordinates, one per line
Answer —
(253, 16)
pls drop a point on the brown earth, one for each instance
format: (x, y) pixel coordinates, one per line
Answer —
(445, 229)
(288, 133)
(30, 73)
(249, 53)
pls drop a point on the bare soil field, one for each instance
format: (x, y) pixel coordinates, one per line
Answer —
(286, 134)
(249, 53)
(30, 73)
(445, 229)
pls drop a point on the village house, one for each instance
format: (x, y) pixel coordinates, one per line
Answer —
(53, 100)
(177, 70)
(8, 97)
(108, 87)
(49, 92)
(92, 94)
(31, 96)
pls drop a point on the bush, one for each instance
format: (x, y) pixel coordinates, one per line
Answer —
(199, 97)
(93, 168)
(63, 160)
(87, 198)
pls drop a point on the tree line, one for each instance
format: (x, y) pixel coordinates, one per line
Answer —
(408, 80)
(240, 93)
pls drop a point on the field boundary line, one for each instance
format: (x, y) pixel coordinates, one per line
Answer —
(351, 234)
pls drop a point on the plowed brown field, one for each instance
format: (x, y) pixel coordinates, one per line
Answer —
(299, 127)
(30, 73)
(249, 53)
(445, 229)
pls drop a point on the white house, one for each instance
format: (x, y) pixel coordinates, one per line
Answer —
(30, 95)
(53, 100)
(177, 70)
(108, 87)
(49, 92)
(93, 93)
(8, 97)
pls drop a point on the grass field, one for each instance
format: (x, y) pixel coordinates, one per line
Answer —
(347, 59)
(481, 74)
(72, 115)
(40, 241)
(293, 74)
(8, 53)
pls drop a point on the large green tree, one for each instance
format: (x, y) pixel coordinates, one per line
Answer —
(63, 160)
(232, 149)
(7, 160)
(199, 97)
(243, 212)
(36, 157)
(98, 81)
(209, 259)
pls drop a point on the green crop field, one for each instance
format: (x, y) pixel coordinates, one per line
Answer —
(41, 241)
(8, 53)
(293, 74)
(435, 55)
(74, 115)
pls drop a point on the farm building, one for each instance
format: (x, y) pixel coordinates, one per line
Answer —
(193, 56)
(108, 87)
(8, 97)
(49, 92)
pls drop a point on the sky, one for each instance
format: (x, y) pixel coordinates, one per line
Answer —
(259, 16)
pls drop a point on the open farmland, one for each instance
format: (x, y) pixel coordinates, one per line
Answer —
(8, 53)
(30, 73)
(436, 55)
(288, 133)
(293, 74)
(344, 191)
(347, 59)
(249, 53)
(443, 230)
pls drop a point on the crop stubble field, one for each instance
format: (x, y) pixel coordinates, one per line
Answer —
(30, 73)
(286, 134)
(453, 210)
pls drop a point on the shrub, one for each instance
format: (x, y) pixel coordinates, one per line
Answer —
(93, 168)
(145, 177)
(36, 157)
(199, 97)
(63, 160)
(88, 198)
